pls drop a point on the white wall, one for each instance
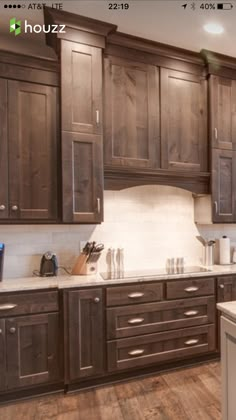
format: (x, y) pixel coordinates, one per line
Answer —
(152, 223)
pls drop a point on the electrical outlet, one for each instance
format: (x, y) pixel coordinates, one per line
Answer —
(82, 245)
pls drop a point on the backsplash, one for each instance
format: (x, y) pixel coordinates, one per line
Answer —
(151, 223)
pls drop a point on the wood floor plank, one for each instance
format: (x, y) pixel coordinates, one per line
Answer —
(185, 394)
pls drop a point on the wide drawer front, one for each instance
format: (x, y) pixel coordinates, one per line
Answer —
(127, 321)
(28, 303)
(153, 348)
(136, 293)
(189, 288)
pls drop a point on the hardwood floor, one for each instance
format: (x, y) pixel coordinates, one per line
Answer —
(186, 394)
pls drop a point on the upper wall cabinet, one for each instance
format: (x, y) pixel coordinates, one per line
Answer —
(28, 149)
(132, 135)
(32, 151)
(223, 112)
(81, 88)
(80, 51)
(183, 121)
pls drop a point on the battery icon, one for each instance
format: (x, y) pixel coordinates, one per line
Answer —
(224, 6)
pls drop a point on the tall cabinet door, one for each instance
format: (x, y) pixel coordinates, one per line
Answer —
(2, 356)
(3, 150)
(223, 112)
(81, 92)
(224, 185)
(131, 136)
(82, 178)
(32, 350)
(32, 111)
(85, 330)
(183, 121)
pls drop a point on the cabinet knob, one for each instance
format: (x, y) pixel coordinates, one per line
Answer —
(221, 286)
(14, 208)
(96, 300)
(0, 331)
(12, 330)
(2, 207)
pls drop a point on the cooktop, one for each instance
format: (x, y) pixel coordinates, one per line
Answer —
(153, 273)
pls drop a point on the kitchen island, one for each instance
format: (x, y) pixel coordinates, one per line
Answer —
(228, 358)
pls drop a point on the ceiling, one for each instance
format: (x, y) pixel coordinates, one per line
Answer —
(163, 21)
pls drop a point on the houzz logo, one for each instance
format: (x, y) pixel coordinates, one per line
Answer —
(15, 26)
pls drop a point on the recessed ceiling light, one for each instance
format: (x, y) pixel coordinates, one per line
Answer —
(214, 28)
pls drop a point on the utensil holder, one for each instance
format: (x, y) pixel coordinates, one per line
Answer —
(82, 267)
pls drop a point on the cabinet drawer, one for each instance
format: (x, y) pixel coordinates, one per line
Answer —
(189, 288)
(166, 346)
(28, 303)
(127, 321)
(136, 293)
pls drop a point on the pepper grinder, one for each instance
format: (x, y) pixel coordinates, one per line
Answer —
(120, 262)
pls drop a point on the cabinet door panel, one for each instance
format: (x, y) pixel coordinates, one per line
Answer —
(3, 151)
(81, 88)
(223, 112)
(32, 151)
(131, 114)
(32, 349)
(2, 356)
(223, 185)
(85, 333)
(82, 178)
(183, 121)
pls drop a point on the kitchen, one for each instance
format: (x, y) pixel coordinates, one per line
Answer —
(144, 167)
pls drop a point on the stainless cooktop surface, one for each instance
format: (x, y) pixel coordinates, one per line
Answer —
(154, 273)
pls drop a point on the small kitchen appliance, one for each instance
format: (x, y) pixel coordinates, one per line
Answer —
(48, 265)
(2, 248)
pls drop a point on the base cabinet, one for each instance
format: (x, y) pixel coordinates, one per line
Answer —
(32, 344)
(84, 335)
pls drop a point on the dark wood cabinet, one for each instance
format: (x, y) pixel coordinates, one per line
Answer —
(223, 112)
(85, 333)
(81, 88)
(226, 292)
(3, 150)
(32, 346)
(32, 134)
(131, 136)
(82, 178)
(183, 121)
(3, 367)
(224, 186)
(28, 158)
(82, 153)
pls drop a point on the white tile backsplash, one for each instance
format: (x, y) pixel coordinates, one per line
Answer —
(152, 223)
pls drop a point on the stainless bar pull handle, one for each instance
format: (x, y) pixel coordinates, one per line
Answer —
(216, 133)
(135, 295)
(216, 206)
(191, 342)
(97, 117)
(191, 289)
(99, 205)
(6, 306)
(134, 321)
(137, 352)
(190, 313)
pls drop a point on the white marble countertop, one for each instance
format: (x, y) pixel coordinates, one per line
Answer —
(63, 282)
(228, 309)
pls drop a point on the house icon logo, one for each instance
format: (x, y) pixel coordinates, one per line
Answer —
(15, 26)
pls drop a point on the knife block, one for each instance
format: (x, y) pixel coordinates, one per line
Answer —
(82, 267)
